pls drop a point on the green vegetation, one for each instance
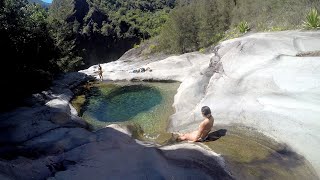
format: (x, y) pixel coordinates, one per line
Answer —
(243, 27)
(264, 15)
(198, 24)
(202, 50)
(40, 2)
(39, 43)
(97, 31)
(27, 50)
(313, 19)
(195, 24)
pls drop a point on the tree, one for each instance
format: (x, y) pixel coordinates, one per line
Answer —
(27, 49)
(195, 24)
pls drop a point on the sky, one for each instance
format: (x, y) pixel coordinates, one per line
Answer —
(48, 1)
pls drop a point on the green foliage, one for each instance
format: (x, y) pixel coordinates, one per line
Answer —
(262, 15)
(136, 46)
(101, 31)
(196, 24)
(243, 27)
(26, 48)
(216, 20)
(202, 50)
(180, 33)
(152, 47)
(230, 34)
(313, 19)
(40, 2)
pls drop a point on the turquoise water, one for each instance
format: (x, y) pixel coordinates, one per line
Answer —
(148, 105)
(122, 103)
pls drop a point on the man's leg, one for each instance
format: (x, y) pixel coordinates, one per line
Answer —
(188, 136)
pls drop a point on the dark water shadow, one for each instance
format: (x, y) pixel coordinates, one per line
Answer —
(280, 164)
(121, 104)
(213, 136)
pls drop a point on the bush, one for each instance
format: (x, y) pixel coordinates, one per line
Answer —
(262, 14)
(152, 48)
(202, 50)
(313, 19)
(135, 46)
(231, 34)
(243, 27)
(194, 25)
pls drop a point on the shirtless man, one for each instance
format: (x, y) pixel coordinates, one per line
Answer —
(204, 128)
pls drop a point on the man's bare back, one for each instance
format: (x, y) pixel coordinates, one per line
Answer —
(204, 128)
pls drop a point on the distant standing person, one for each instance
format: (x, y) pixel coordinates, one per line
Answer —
(100, 72)
(204, 128)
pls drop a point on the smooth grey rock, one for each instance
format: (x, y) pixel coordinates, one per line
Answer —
(112, 153)
(259, 82)
(116, 155)
(57, 141)
(256, 80)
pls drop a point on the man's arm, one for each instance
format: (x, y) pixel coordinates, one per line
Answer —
(199, 132)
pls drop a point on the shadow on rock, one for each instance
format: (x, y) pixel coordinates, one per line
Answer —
(213, 136)
(92, 160)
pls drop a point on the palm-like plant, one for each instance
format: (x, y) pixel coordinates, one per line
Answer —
(313, 19)
(243, 27)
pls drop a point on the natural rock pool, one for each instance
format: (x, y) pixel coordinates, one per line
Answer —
(148, 106)
(141, 104)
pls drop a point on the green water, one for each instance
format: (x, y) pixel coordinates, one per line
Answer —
(251, 155)
(147, 105)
